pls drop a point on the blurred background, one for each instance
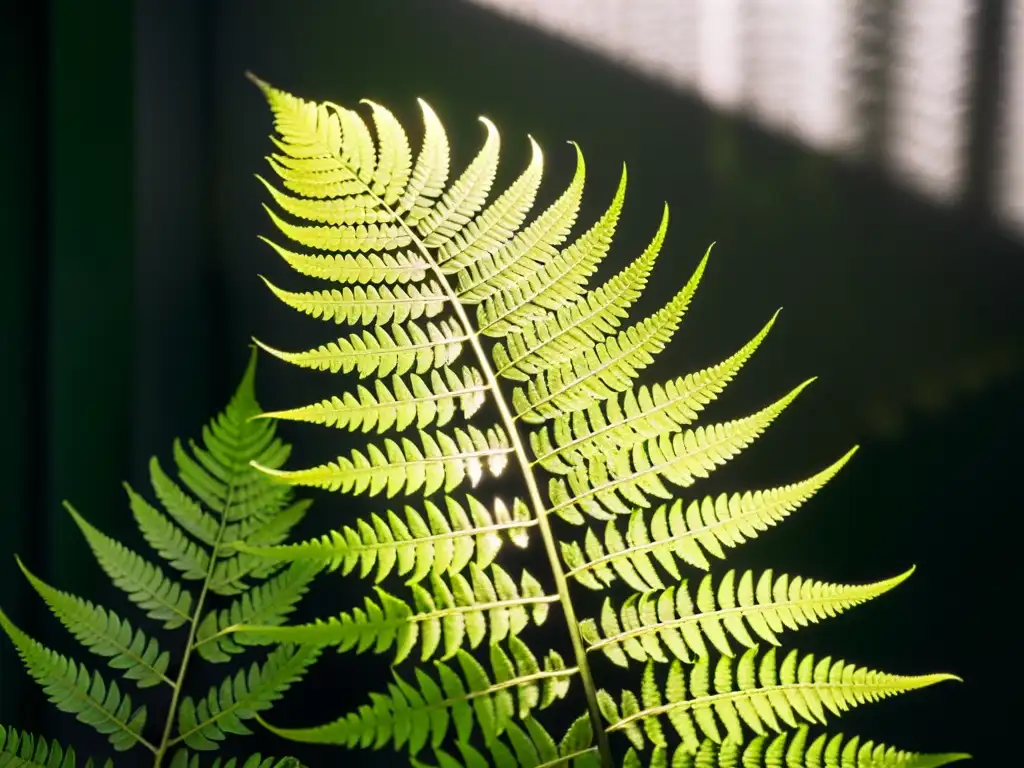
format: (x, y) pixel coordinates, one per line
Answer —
(858, 162)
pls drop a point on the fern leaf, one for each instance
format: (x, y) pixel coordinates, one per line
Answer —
(351, 209)
(168, 540)
(204, 722)
(681, 621)
(359, 268)
(181, 507)
(341, 237)
(644, 413)
(596, 374)
(556, 338)
(106, 634)
(366, 305)
(442, 461)
(406, 347)
(755, 692)
(411, 715)
(416, 546)
(394, 162)
(73, 688)
(144, 583)
(429, 174)
(409, 399)
(604, 485)
(465, 197)
(462, 612)
(24, 750)
(795, 751)
(557, 284)
(705, 527)
(268, 603)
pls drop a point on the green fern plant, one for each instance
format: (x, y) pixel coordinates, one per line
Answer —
(462, 304)
(23, 750)
(218, 502)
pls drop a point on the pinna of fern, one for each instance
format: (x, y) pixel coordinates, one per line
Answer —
(458, 301)
(217, 502)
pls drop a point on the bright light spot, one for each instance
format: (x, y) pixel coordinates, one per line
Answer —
(1010, 197)
(799, 56)
(807, 68)
(929, 101)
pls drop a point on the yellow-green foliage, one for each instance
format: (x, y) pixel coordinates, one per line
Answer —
(459, 301)
(218, 503)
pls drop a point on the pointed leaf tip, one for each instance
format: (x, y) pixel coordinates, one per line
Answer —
(263, 85)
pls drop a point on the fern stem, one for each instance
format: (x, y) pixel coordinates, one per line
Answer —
(190, 644)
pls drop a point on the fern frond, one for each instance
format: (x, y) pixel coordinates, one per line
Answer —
(409, 399)
(421, 544)
(442, 461)
(406, 347)
(366, 305)
(680, 621)
(556, 338)
(598, 373)
(603, 487)
(268, 603)
(106, 634)
(644, 413)
(614, 449)
(794, 751)
(218, 502)
(411, 715)
(204, 722)
(144, 583)
(24, 750)
(752, 691)
(463, 612)
(705, 527)
(73, 688)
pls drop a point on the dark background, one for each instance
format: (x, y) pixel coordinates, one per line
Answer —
(131, 290)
